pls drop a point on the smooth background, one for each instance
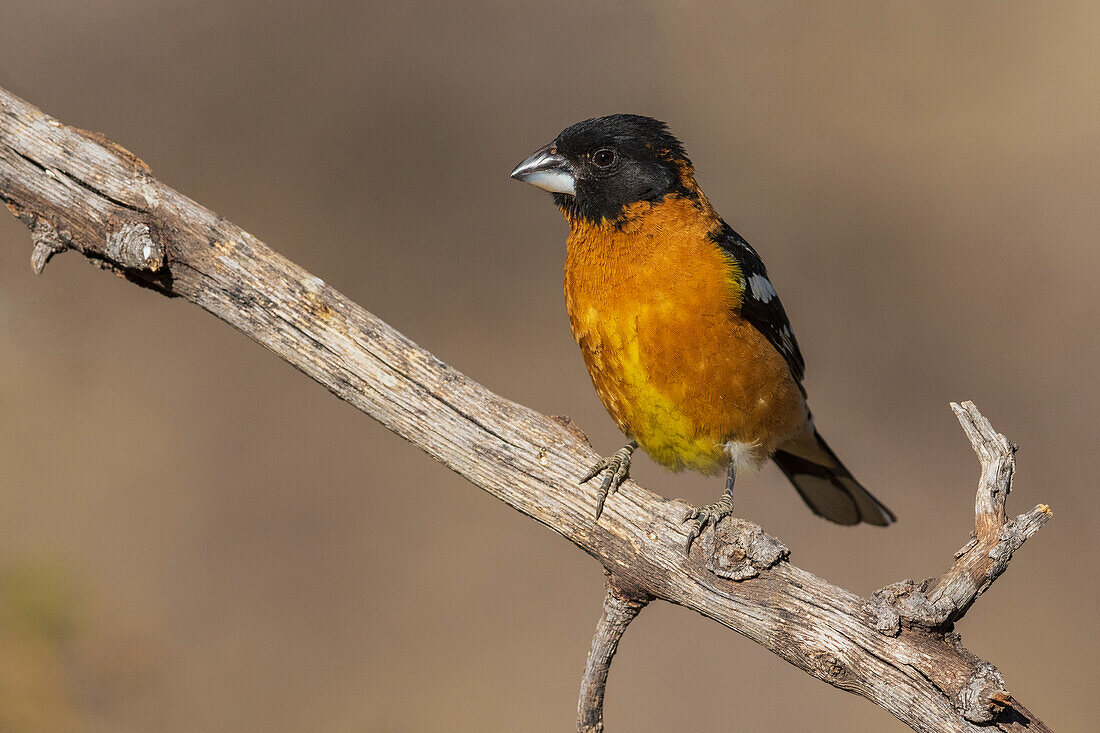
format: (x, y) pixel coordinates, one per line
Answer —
(193, 536)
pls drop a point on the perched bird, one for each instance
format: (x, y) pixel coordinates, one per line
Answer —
(680, 326)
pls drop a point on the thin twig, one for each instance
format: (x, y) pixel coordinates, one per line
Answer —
(938, 603)
(619, 609)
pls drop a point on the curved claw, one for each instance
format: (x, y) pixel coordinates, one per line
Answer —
(600, 465)
(617, 467)
(709, 514)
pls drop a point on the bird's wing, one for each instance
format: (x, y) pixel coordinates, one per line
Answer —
(760, 304)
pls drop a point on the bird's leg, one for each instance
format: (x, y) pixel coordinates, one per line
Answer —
(617, 467)
(712, 513)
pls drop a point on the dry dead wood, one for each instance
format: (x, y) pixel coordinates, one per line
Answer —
(78, 191)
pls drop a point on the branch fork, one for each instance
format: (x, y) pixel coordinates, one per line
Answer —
(936, 603)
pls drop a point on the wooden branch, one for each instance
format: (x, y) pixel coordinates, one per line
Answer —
(938, 602)
(620, 607)
(78, 191)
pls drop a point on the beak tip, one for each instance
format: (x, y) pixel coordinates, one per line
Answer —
(545, 169)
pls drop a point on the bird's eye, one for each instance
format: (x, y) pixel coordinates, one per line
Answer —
(603, 158)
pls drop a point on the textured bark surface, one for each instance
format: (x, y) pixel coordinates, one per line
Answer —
(77, 190)
(619, 609)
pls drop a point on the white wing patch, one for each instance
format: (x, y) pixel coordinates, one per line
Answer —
(761, 288)
(760, 304)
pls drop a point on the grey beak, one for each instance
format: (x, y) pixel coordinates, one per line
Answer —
(547, 170)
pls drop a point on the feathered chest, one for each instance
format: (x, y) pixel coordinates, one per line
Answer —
(655, 305)
(654, 275)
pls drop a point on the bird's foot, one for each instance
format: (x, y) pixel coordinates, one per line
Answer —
(711, 513)
(617, 466)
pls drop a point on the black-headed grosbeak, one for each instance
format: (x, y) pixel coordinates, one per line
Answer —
(680, 326)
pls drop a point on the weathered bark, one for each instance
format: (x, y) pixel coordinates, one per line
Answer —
(620, 607)
(77, 190)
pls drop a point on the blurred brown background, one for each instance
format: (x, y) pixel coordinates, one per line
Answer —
(195, 537)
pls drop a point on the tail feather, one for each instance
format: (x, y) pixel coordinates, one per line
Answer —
(826, 485)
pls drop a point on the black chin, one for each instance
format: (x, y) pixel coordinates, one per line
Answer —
(567, 203)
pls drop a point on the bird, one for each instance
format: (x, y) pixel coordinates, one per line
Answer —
(679, 324)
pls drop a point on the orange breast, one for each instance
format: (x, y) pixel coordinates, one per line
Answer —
(653, 306)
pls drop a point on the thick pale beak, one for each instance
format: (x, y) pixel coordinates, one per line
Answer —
(547, 170)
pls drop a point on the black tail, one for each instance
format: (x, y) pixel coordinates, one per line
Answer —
(826, 485)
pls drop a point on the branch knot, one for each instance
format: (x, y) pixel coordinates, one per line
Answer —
(906, 601)
(739, 550)
(132, 245)
(984, 689)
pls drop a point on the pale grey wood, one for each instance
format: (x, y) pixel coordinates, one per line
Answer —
(78, 191)
(619, 609)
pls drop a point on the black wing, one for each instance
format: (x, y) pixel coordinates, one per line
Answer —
(760, 304)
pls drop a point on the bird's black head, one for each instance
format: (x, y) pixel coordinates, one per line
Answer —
(598, 167)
